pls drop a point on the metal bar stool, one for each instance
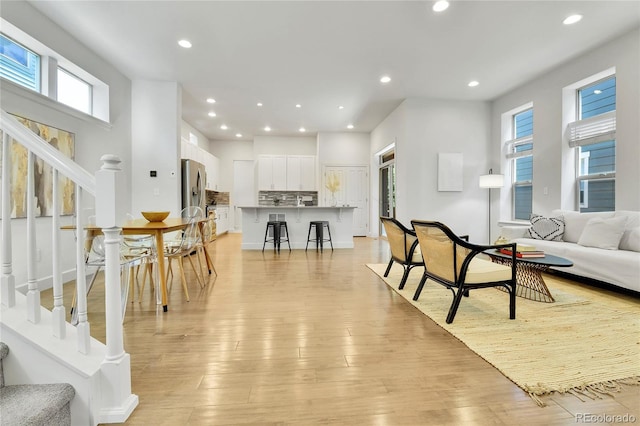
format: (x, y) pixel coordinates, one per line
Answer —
(319, 238)
(280, 234)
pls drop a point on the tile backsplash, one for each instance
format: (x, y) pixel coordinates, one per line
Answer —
(215, 197)
(287, 198)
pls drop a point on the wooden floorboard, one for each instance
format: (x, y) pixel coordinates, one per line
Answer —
(313, 338)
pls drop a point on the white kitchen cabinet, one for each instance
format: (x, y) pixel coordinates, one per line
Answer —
(222, 220)
(212, 166)
(272, 173)
(301, 173)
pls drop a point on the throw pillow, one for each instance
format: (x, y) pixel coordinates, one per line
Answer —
(603, 233)
(631, 239)
(546, 228)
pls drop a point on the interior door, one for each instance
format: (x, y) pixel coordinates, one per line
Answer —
(353, 192)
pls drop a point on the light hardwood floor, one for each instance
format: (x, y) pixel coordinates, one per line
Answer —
(309, 338)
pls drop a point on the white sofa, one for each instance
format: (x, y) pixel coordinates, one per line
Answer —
(618, 264)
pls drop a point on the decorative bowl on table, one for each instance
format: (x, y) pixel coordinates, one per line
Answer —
(155, 216)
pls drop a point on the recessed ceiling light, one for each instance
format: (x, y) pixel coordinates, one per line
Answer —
(385, 79)
(238, 135)
(298, 106)
(184, 43)
(440, 6)
(211, 101)
(302, 129)
(473, 83)
(340, 107)
(224, 127)
(572, 19)
(267, 129)
(259, 104)
(211, 114)
(350, 126)
(597, 92)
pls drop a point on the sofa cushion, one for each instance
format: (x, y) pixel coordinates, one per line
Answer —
(631, 238)
(574, 222)
(603, 233)
(546, 228)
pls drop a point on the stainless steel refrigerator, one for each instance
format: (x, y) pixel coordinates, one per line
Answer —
(194, 182)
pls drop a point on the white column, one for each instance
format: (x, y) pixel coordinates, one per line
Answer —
(33, 293)
(7, 280)
(117, 400)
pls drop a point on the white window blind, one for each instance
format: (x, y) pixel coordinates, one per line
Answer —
(599, 128)
(516, 148)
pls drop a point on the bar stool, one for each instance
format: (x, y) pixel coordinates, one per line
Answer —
(277, 228)
(319, 239)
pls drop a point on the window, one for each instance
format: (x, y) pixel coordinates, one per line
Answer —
(593, 136)
(520, 152)
(32, 65)
(19, 64)
(74, 92)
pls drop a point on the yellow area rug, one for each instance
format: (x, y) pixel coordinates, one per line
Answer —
(586, 343)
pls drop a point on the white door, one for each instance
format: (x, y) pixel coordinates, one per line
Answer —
(353, 191)
(243, 190)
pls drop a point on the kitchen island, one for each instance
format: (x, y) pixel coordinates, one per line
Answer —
(255, 218)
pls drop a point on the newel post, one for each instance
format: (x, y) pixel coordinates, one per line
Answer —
(7, 280)
(117, 400)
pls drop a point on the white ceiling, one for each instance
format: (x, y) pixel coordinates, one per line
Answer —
(323, 54)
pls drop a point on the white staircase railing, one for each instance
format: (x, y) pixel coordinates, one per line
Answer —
(112, 401)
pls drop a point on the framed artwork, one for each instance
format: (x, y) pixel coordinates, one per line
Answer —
(450, 172)
(64, 141)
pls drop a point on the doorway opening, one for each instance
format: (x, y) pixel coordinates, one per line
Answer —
(387, 185)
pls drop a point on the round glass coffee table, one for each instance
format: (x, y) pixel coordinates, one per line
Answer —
(529, 281)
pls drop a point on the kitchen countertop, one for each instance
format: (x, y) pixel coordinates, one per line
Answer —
(297, 207)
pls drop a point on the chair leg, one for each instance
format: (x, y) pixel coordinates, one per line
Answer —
(454, 305)
(420, 285)
(512, 302)
(195, 270)
(184, 279)
(405, 275)
(330, 239)
(386, 273)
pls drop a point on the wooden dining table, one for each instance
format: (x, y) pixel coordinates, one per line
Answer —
(158, 229)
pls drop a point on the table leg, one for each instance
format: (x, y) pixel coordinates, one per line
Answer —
(529, 282)
(162, 276)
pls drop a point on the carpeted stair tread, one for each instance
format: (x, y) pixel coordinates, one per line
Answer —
(33, 404)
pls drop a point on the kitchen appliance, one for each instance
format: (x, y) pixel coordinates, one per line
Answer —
(194, 181)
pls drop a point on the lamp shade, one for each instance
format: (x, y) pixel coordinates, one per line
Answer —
(491, 181)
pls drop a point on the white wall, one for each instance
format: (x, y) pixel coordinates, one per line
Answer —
(546, 94)
(186, 128)
(156, 124)
(421, 129)
(346, 149)
(284, 145)
(93, 138)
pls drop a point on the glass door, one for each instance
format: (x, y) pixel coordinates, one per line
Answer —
(387, 186)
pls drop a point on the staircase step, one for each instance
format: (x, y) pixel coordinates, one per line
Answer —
(42, 404)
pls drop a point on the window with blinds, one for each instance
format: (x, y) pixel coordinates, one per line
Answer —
(18, 64)
(593, 136)
(520, 153)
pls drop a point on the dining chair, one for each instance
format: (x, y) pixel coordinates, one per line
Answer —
(134, 251)
(453, 262)
(404, 247)
(182, 245)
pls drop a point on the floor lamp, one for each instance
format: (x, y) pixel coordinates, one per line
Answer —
(491, 181)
